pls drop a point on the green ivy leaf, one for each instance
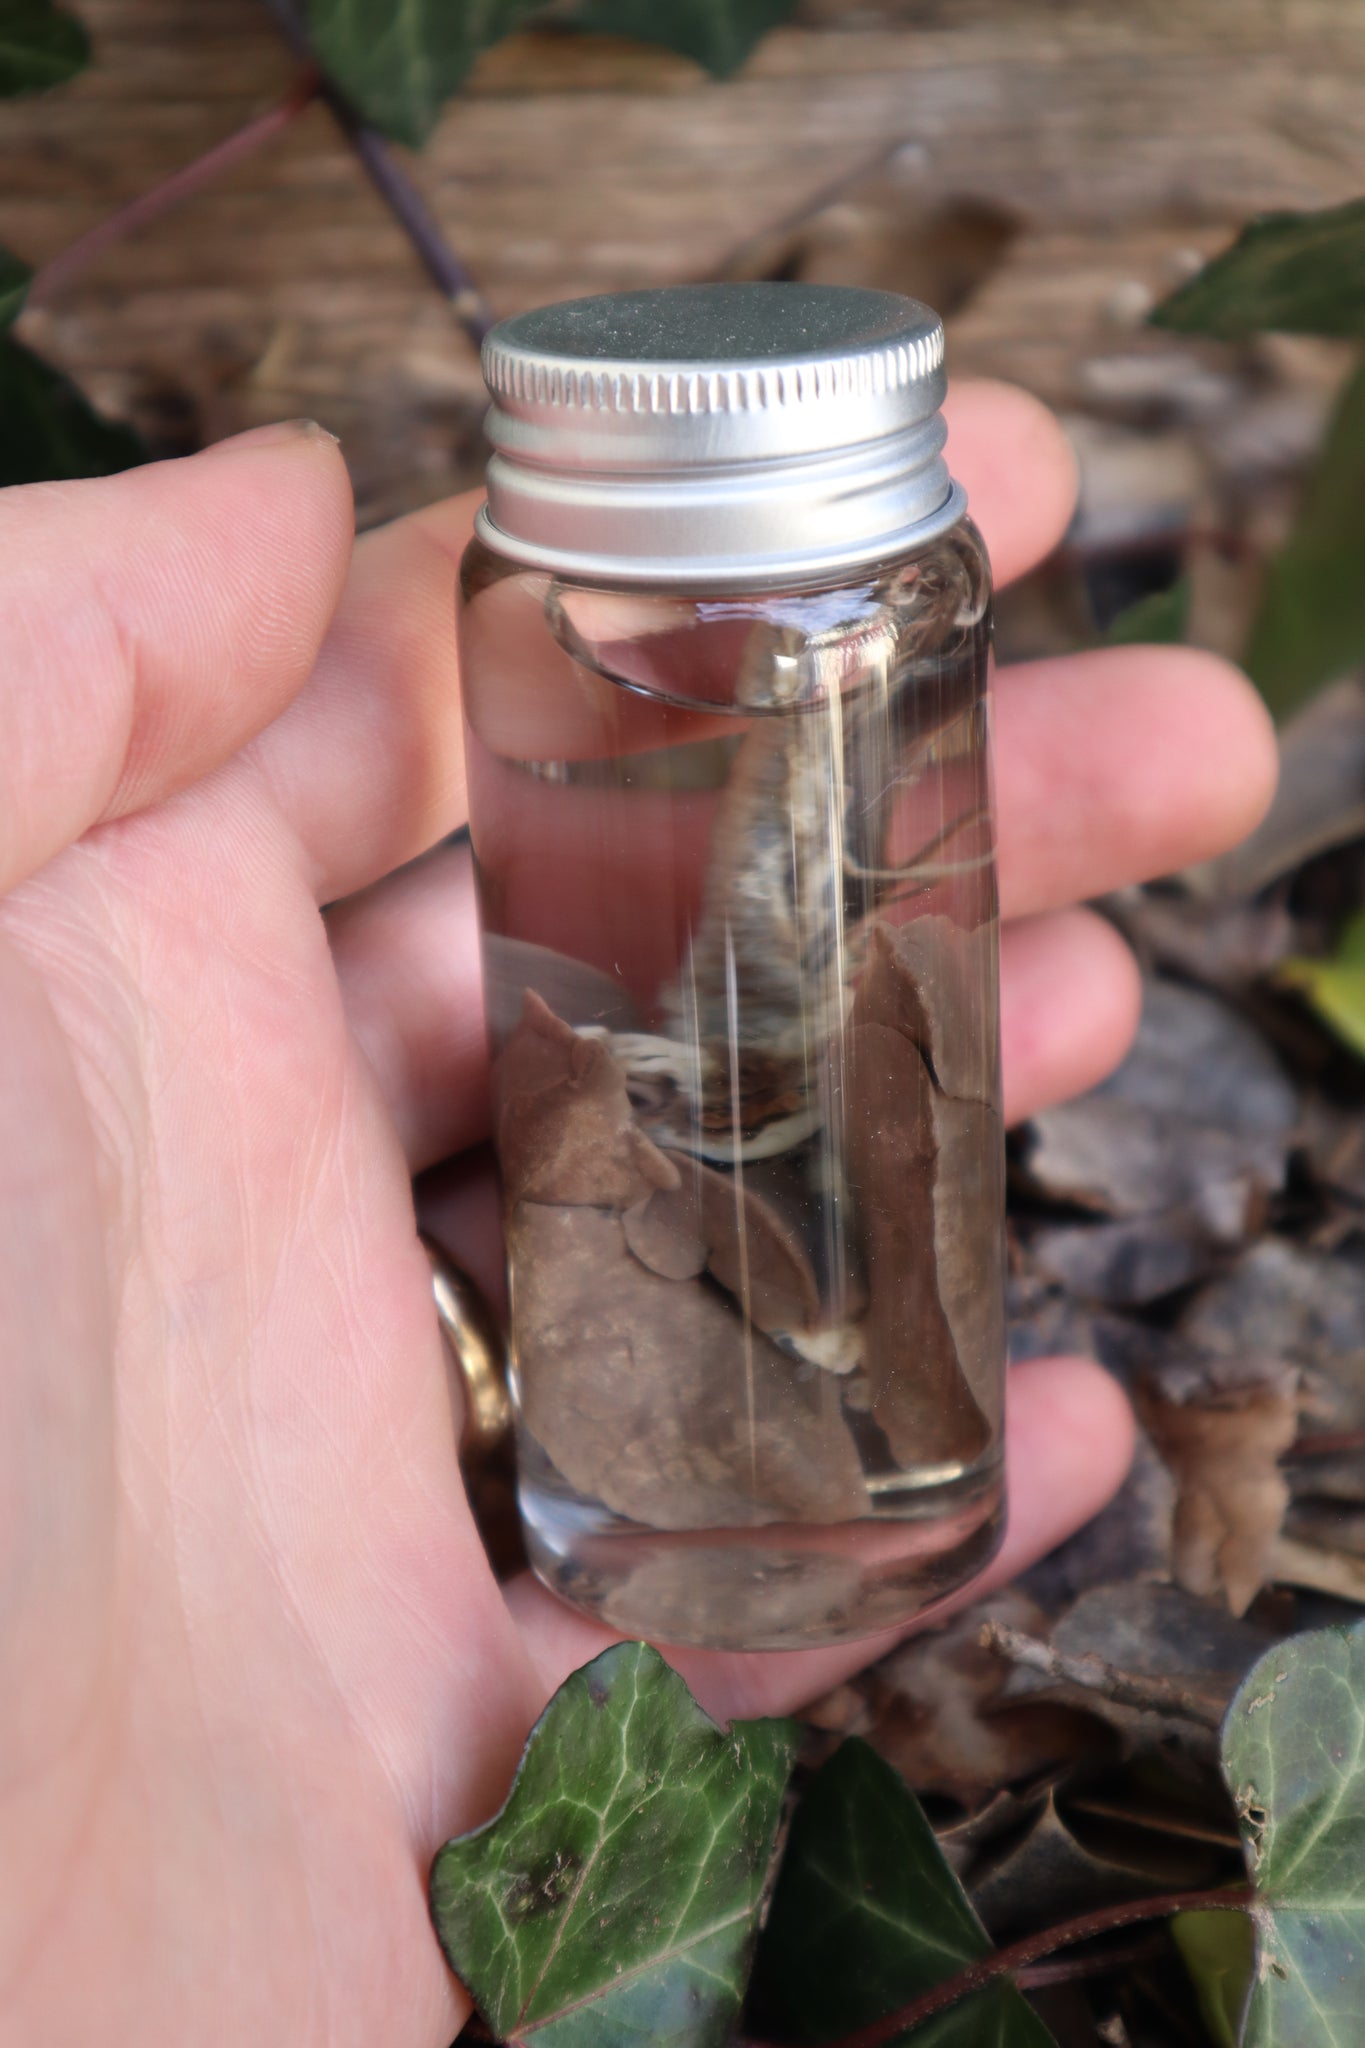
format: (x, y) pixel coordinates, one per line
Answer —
(399, 61)
(717, 34)
(1160, 619)
(614, 1899)
(1335, 988)
(48, 428)
(39, 46)
(1218, 1950)
(867, 1916)
(1294, 1756)
(1297, 273)
(1310, 625)
(15, 279)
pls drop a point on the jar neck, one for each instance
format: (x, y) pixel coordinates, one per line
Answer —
(772, 520)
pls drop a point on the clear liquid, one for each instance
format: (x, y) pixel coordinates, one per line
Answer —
(736, 877)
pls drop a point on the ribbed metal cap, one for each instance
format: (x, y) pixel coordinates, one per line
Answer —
(717, 435)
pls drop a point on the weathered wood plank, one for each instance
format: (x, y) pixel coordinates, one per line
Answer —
(1116, 141)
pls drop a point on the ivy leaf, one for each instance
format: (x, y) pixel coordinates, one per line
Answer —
(39, 46)
(49, 429)
(614, 1900)
(15, 279)
(1295, 273)
(1335, 988)
(1294, 1756)
(399, 61)
(1218, 1950)
(1310, 626)
(717, 34)
(867, 1916)
(1159, 619)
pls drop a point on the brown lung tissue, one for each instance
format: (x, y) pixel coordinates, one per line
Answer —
(688, 1353)
(712, 1221)
(649, 1394)
(565, 1129)
(923, 1165)
(933, 980)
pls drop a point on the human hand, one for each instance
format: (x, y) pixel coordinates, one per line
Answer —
(255, 1666)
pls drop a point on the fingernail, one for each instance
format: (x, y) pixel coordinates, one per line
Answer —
(274, 435)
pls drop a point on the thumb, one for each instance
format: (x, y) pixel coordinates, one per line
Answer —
(154, 621)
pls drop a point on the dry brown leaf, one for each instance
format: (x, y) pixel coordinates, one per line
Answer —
(1125, 1261)
(1222, 1427)
(1184, 1142)
(1157, 1664)
(1125, 1159)
(934, 1711)
(1223, 945)
(1065, 1863)
(1320, 1571)
(1198, 1059)
(1321, 1523)
(1303, 1306)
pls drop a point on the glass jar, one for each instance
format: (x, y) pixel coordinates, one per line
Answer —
(726, 699)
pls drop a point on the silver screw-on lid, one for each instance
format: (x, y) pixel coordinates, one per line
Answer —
(717, 435)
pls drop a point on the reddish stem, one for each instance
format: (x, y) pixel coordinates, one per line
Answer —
(443, 265)
(159, 199)
(1070, 1969)
(1004, 1962)
(1346, 1444)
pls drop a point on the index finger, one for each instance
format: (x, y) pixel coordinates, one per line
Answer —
(154, 621)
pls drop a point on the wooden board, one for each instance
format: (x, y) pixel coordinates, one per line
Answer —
(1071, 160)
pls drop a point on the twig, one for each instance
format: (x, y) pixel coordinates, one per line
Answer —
(190, 179)
(1156, 1820)
(1125, 1688)
(1070, 1969)
(446, 270)
(740, 256)
(1008, 1962)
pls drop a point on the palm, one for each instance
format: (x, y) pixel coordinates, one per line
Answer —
(256, 1666)
(294, 1554)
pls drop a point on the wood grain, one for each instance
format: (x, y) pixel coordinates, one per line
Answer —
(1049, 164)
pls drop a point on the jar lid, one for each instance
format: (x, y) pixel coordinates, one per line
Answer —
(717, 435)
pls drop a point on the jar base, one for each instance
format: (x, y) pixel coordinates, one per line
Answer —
(782, 1586)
